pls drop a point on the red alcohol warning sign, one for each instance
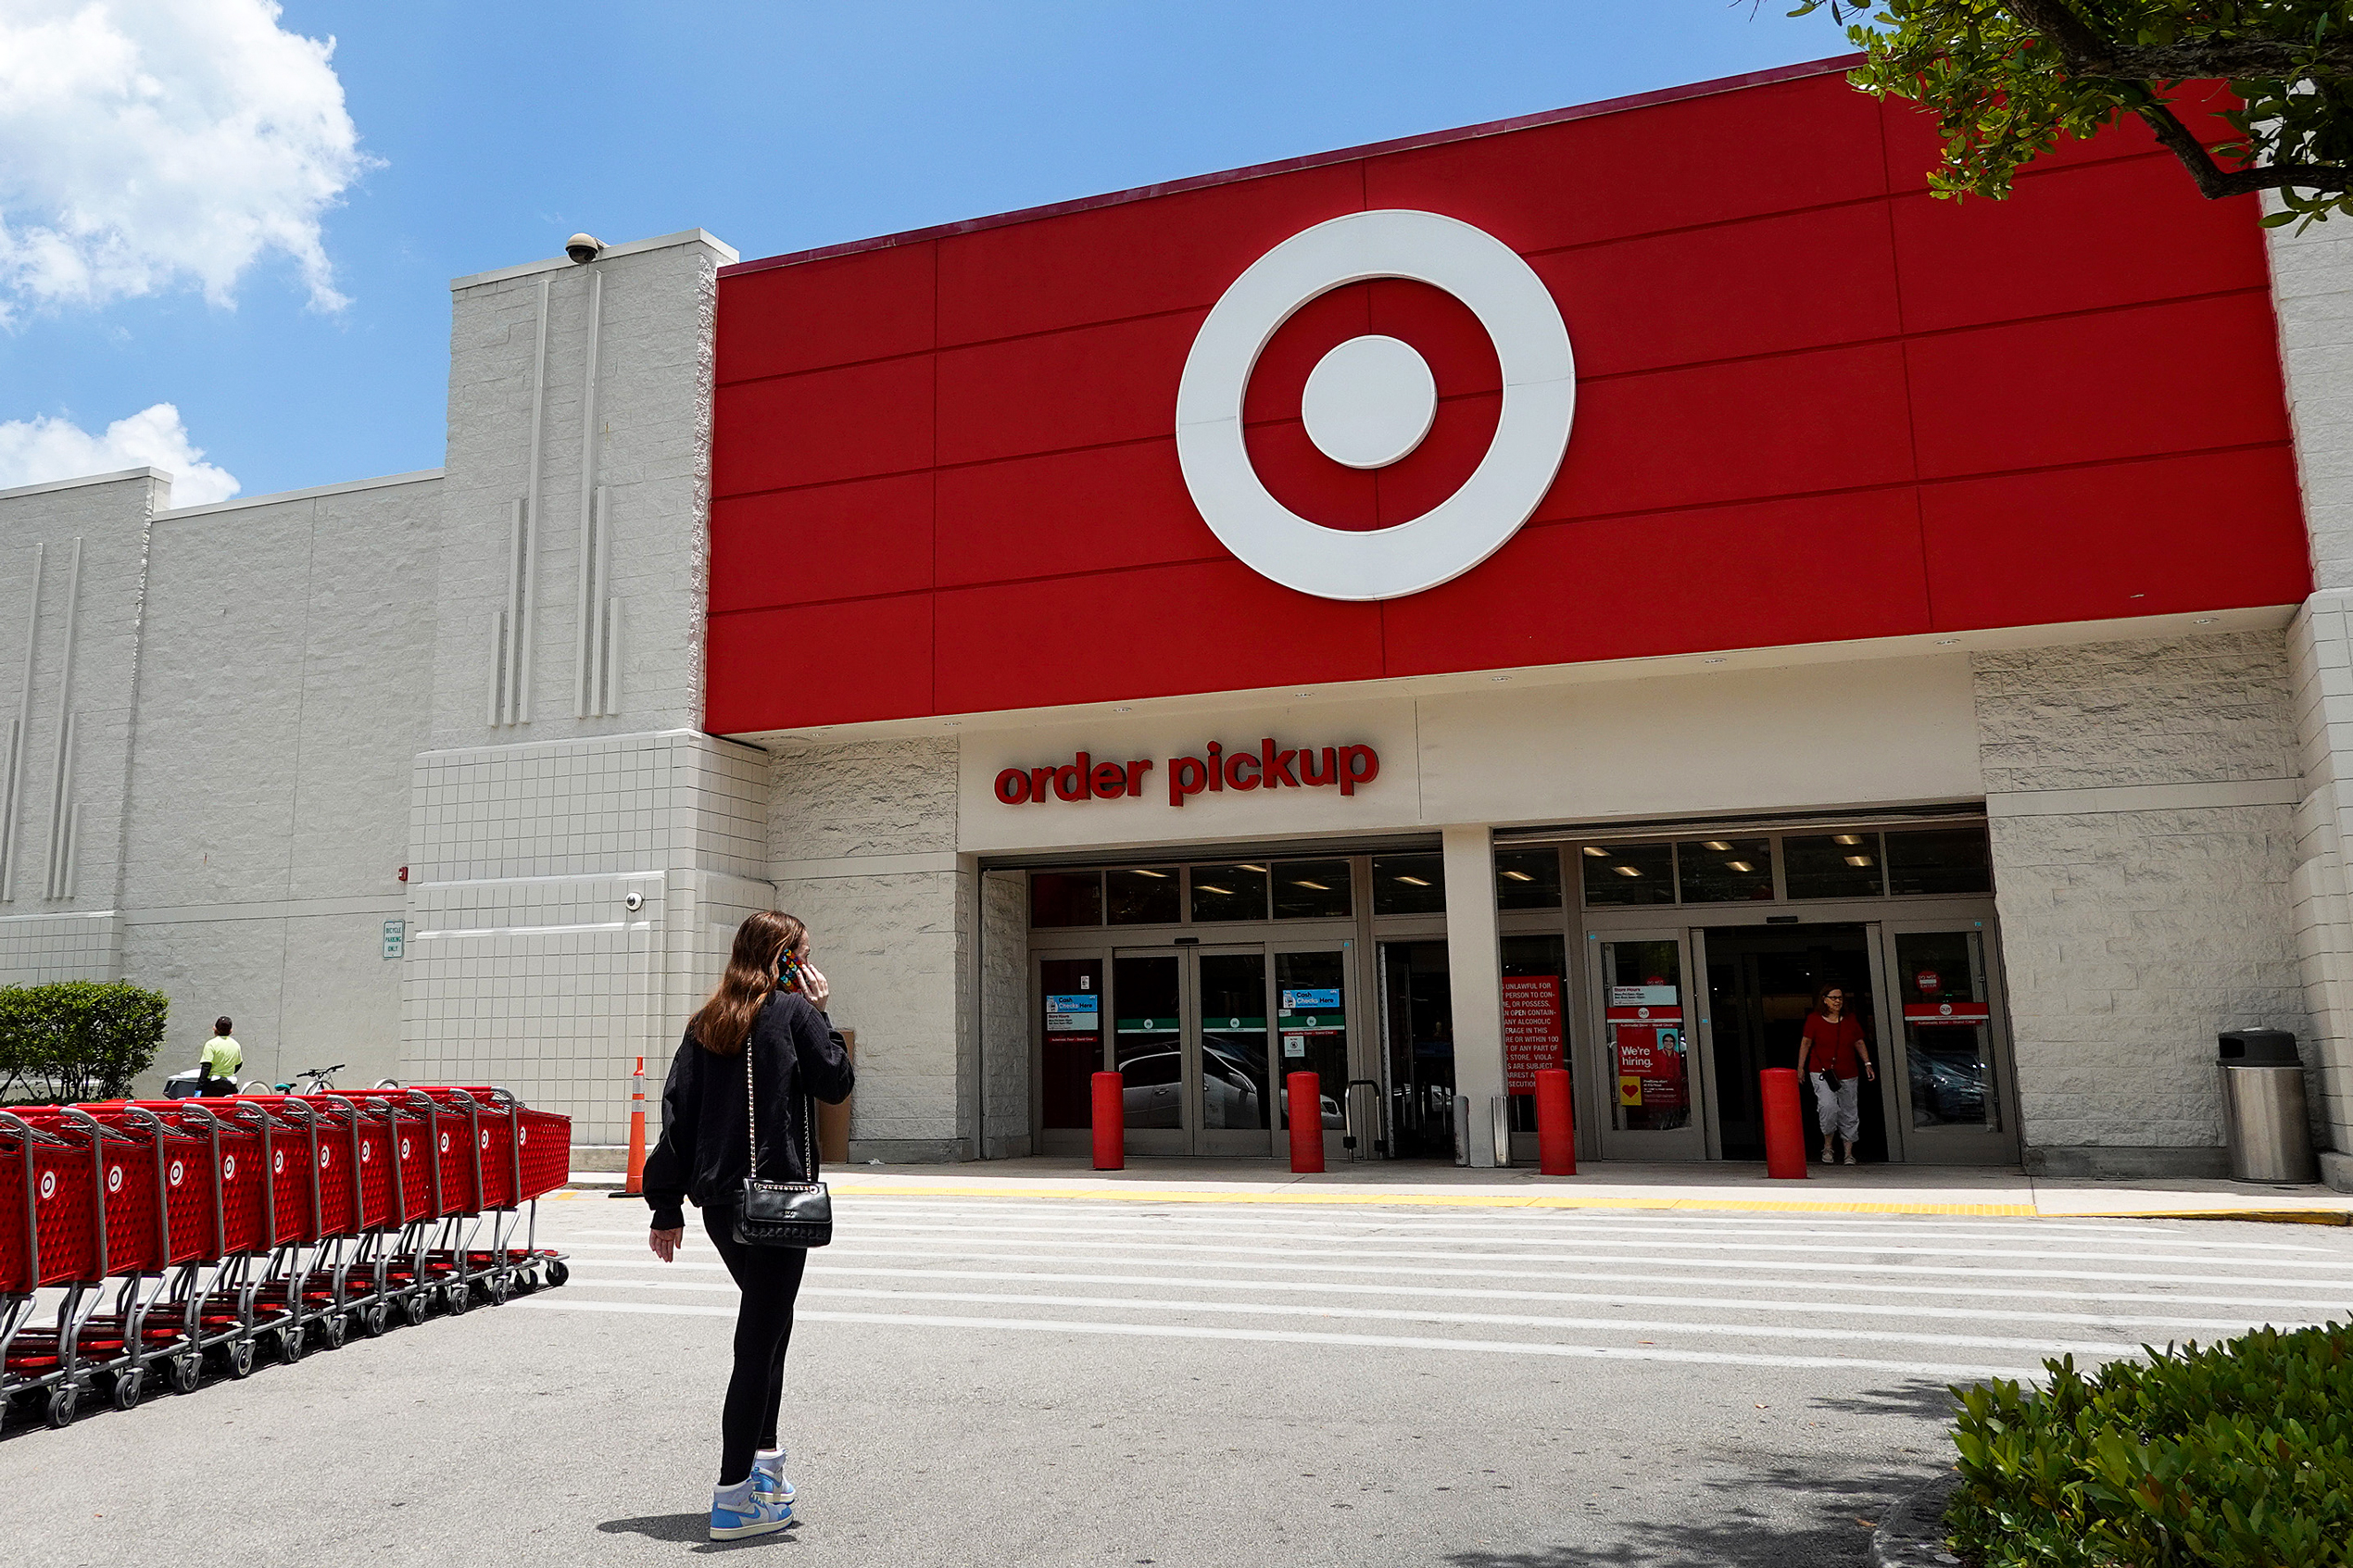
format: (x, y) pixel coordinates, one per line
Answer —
(1532, 1029)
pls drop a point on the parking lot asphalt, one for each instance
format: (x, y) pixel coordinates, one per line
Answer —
(1052, 1381)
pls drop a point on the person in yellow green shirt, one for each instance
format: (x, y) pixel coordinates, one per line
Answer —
(222, 1060)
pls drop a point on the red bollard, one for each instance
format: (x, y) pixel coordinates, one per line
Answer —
(1784, 1124)
(1111, 1122)
(1555, 1123)
(1306, 1121)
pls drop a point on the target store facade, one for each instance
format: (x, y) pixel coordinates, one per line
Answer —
(1554, 592)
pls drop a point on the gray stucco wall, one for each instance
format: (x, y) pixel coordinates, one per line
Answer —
(2141, 802)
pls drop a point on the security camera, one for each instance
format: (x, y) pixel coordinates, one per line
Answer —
(583, 247)
(634, 902)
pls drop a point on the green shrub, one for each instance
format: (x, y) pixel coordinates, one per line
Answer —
(2238, 1455)
(78, 1039)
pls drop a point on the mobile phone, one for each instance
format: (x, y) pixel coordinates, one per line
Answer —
(787, 971)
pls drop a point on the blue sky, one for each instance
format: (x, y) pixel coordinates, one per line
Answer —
(496, 130)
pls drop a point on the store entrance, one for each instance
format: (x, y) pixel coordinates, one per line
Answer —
(1761, 982)
(1417, 1035)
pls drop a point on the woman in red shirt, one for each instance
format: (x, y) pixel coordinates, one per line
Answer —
(1833, 1040)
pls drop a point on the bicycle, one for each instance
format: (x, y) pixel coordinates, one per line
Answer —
(321, 1080)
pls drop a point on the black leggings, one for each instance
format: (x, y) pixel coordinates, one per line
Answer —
(770, 1279)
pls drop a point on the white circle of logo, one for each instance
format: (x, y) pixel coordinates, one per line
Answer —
(1366, 405)
(114, 1179)
(228, 1167)
(366, 1151)
(1641, 1012)
(176, 1173)
(523, 1134)
(326, 1157)
(1945, 1008)
(445, 1142)
(486, 1138)
(404, 1148)
(49, 1183)
(279, 1164)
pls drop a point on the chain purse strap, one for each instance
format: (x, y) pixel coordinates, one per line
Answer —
(751, 1122)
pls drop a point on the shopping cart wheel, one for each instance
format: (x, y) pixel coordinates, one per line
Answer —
(374, 1318)
(128, 1383)
(556, 1272)
(187, 1370)
(497, 1287)
(458, 1296)
(65, 1403)
(415, 1307)
(241, 1358)
(292, 1339)
(333, 1329)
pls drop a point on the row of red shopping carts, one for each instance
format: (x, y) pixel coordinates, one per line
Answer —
(142, 1237)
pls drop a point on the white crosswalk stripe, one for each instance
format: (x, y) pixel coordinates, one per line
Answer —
(1956, 1298)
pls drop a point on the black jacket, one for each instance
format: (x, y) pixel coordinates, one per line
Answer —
(794, 1052)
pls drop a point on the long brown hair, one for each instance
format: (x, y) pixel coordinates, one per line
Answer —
(723, 1022)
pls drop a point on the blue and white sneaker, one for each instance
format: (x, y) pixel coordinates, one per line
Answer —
(767, 1476)
(741, 1511)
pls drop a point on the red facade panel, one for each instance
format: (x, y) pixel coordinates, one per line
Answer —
(1815, 405)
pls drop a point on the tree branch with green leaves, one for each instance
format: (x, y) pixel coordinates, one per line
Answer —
(2006, 79)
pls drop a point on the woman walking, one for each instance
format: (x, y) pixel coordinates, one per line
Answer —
(1833, 1039)
(766, 1018)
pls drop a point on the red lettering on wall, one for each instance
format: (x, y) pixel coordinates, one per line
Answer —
(1110, 780)
(1234, 769)
(1041, 780)
(1274, 767)
(1136, 772)
(1308, 773)
(1186, 776)
(1012, 786)
(1070, 780)
(1358, 764)
(1216, 767)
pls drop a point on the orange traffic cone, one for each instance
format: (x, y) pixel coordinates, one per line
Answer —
(635, 1186)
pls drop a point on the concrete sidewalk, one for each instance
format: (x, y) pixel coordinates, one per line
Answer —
(1723, 1186)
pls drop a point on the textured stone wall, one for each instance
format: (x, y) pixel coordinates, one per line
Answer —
(863, 846)
(51, 931)
(281, 700)
(2141, 796)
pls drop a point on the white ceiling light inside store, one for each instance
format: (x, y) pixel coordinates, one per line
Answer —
(1520, 876)
(1415, 881)
(1716, 844)
(1846, 838)
(1222, 892)
(1596, 850)
(1260, 870)
(1317, 885)
(1625, 871)
(1859, 859)
(1141, 871)
(1740, 865)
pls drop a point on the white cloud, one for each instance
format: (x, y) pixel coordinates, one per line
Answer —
(149, 143)
(37, 450)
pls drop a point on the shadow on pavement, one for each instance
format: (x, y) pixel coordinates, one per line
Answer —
(1821, 1522)
(691, 1528)
(1927, 1399)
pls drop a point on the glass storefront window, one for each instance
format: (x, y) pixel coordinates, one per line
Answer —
(1144, 895)
(1648, 1049)
(1831, 865)
(1947, 1021)
(1725, 870)
(1065, 898)
(1235, 890)
(1234, 1091)
(1313, 890)
(1628, 874)
(1071, 997)
(1528, 879)
(1949, 859)
(1409, 885)
(1535, 1018)
(1310, 999)
(1147, 1041)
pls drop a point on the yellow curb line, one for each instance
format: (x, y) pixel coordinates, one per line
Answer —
(2259, 1216)
(1439, 1200)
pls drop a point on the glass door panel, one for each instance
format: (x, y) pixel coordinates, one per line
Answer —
(1310, 1019)
(1235, 1096)
(1070, 1002)
(1646, 1056)
(1417, 1031)
(1955, 1071)
(1147, 1051)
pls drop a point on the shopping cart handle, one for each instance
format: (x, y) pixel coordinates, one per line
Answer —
(30, 1132)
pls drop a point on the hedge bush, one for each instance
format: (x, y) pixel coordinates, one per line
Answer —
(77, 1039)
(2238, 1455)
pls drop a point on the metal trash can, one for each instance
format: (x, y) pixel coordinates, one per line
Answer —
(2263, 1114)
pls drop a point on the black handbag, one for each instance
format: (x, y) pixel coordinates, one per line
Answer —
(781, 1213)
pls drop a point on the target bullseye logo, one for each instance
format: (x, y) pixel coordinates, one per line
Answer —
(49, 1183)
(228, 1167)
(114, 1179)
(177, 1171)
(1371, 400)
